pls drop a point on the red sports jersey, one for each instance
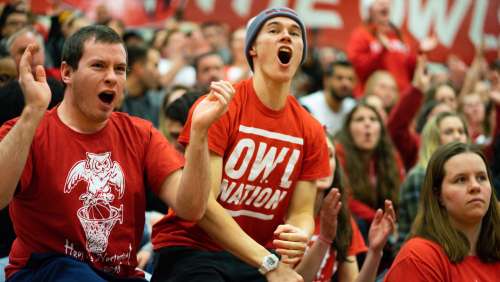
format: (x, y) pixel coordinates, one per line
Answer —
(424, 260)
(82, 195)
(264, 153)
(329, 264)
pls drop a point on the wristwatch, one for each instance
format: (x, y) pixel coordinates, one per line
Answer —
(269, 263)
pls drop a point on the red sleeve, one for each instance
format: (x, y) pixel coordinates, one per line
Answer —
(398, 125)
(161, 160)
(400, 166)
(419, 260)
(361, 210)
(365, 61)
(218, 132)
(316, 161)
(488, 151)
(25, 179)
(411, 61)
(357, 242)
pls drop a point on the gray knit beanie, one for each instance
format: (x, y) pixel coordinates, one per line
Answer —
(256, 23)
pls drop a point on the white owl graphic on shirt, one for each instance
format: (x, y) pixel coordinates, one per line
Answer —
(104, 179)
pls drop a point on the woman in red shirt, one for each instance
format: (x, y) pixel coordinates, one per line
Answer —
(371, 164)
(456, 234)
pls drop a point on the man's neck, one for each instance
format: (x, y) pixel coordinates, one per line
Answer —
(134, 87)
(271, 93)
(332, 102)
(72, 117)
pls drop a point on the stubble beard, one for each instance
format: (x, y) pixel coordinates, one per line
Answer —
(336, 96)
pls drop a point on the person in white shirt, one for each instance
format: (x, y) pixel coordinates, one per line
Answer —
(330, 105)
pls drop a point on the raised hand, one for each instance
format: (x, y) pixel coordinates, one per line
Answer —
(495, 91)
(421, 79)
(428, 44)
(283, 273)
(291, 243)
(213, 106)
(328, 215)
(384, 40)
(35, 89)
(382, 226)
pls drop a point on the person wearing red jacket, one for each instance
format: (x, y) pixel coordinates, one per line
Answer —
(379, 45)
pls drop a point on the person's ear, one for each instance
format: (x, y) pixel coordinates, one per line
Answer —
(252, 51)
(66, 72)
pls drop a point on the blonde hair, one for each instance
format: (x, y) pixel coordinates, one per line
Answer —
(431, 136)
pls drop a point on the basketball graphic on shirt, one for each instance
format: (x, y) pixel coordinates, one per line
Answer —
(99, 210)
(104, 179)
(97, 230)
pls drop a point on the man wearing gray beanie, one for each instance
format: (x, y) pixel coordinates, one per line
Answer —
(267, 153)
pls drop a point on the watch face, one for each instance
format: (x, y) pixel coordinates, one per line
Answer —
(271, 261)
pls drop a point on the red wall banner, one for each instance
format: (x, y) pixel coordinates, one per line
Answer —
(459, 25)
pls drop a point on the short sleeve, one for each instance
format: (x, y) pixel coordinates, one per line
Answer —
(358, 244)
(316, 163)
(161, 159)
(419, 260)
(25, 179)
(218, 132)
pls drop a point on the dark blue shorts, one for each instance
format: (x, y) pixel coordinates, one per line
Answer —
(56, 267)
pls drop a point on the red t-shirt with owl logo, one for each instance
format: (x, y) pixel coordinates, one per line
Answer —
(264, 154)
(82, 195)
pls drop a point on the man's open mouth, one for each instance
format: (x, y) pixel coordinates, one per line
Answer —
(107, 97)
(284, 55)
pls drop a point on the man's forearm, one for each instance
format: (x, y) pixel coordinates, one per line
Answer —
(192, 195)
(14, 149)
(304, 221)
(224, 230)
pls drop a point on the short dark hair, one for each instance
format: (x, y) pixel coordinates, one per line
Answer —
(8, 10)
(136, 53)
(178, 110)
(73, 47)
(132, 34)
(330, 69)
(200, 57)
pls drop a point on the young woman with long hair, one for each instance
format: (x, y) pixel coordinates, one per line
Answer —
(456, 234)
(371, 164)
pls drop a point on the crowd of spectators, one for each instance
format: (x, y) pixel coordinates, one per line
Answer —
(384, 108)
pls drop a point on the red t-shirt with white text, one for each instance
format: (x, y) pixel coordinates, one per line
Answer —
(83, 195)
(264, 154)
